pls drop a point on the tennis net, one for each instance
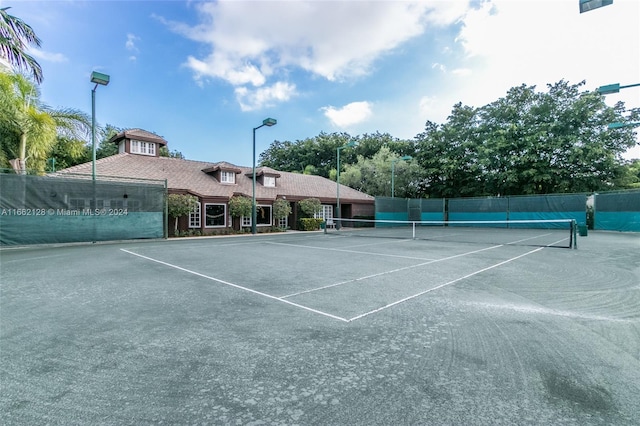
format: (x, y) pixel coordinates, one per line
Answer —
(538, 233)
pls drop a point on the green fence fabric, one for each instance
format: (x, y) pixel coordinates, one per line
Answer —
(51, 209)
(388, 208)
(617, 211)
(614, 211)
(549, 207)
(478, 209)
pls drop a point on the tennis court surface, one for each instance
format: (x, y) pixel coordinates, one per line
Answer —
(329, 329)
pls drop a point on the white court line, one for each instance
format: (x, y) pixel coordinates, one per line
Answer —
(389, 272)
(442, 285)
(238, 286)
(379, 244)
(350, 251)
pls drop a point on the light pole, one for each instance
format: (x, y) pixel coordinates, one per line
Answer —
(393, 163)
(338, 213)
(266, 122)
(98, 79)
(587, 5)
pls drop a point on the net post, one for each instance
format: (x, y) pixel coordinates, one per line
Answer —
(414, 230)
(574, 234)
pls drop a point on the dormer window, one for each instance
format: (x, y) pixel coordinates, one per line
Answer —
(269, 181)
(144, 148)
(227, 177)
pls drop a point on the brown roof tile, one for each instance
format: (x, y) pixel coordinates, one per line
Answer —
(189, 175)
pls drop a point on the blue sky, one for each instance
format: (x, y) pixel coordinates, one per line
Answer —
(203, 74)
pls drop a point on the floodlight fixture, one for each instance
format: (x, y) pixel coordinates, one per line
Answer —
(614, 88)
(99, 78)
(619, 125)
(587, 5)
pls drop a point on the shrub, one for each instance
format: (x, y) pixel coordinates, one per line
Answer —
(310, 206)
(310, 223)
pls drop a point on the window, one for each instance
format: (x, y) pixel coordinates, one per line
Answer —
(117, 204)
(215, 215)
(134, 205)
(283, 222)
(194, 217)
(96, 204)
(76, 204)
(144, 148)
(263, 214)
(227, 177)
(263, 217)
(326, 213)
(269, 181)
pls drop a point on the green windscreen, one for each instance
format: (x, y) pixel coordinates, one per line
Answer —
(57, 209)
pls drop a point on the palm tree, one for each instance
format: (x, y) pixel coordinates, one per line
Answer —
(29, 128)
(15, 36)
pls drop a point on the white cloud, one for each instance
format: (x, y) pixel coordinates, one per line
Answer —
(439, 67)
(252, 42)
(250, 100)
(509, 43)
(47, 56)
(348, 115)
(130, 44)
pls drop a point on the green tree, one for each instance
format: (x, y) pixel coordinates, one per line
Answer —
(373, 175)
(31, 128)
(527, 142)
(105, 147)
(15, 37)
(281, 209)
(179, 205)
(629, 175)
(164, 152)
(69, 152)
(310, 206)
(240, 206)
(317, 155)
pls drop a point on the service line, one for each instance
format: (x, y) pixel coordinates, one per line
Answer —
(429, 262)
(259, 293)
(443, 285)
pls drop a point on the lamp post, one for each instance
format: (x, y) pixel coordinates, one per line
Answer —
(393, 163)
(338, 213)
(614, 88)
(98, 79)
(587, 5)
(266, 122)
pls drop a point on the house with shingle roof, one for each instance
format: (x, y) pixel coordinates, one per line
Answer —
(215, 183)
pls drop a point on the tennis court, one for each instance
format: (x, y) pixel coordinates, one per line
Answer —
(315, 328)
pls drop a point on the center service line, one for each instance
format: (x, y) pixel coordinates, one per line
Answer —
(443, 285)
(238, 286)
(387, 272)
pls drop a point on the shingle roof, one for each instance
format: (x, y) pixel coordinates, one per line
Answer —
(189, 175)
(138, 134)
